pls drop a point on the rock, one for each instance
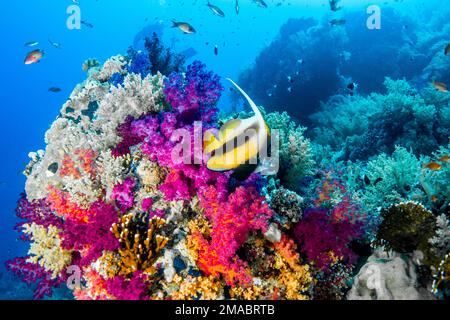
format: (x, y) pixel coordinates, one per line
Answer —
(273, 234)
(388, 277)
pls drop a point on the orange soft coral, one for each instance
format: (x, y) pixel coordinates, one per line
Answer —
(83, 162)
(60, 202)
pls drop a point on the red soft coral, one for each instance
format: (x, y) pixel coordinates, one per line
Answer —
(232, 218)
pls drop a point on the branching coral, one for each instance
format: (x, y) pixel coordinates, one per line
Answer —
(296, 161)
(139, 245)
(396, 177)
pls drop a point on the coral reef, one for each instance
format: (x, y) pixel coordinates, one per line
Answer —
(121, 204)
(366, 126)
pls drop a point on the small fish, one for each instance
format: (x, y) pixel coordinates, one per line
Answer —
(184, 27)
(34, 57)
(434, 198)
(252, 131)
(52, 169)
(31, 43)
(447, 50)
(290, 79)
(334, 5)
(54, 89)
(216, 50)
(366, 180)
(290, 89)
(352, 86)
(260, 3)
(338, 22)
(87, 24)
(442, 87)
(444, 158)
(236, 6)
(433, 166)
(54, 44)
(216, 10)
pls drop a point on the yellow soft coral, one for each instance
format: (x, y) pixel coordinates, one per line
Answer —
(45, 248)
(203, 288)
(293, 277)
(251, 293)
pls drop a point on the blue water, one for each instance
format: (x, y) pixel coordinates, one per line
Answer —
(28, 108)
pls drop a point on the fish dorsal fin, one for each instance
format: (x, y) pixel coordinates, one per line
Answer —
(249, 100)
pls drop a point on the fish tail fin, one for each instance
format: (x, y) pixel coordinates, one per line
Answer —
(174, 23)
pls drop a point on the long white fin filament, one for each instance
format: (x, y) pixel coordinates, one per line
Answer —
(250, 101)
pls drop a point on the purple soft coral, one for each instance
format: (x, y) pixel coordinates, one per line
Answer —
(94, 236)
(323, 239)
(123, 194)
(32, 273)
(197, 92)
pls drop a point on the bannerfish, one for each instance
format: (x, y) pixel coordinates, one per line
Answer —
(216, 10)
(433, 166)
(34, 57)
(442, 87)
(248, 137)
(183, 26)
(260, 3)
(31, 43)
(236, 6)
(447, 49)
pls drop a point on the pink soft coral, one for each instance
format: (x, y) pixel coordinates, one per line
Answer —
(232, 218)
(123, 194)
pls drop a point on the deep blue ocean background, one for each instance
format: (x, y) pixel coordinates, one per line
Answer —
(28, 108)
